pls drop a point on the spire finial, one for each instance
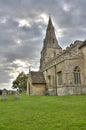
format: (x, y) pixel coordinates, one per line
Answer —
(50, 25)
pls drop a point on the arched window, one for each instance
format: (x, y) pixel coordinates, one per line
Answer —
(77, 76)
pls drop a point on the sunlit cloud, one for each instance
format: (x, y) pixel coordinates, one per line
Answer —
(60, 33)
(23, 22)
(3, 20)
(19, 42)
(45, 17)
(66, 7)
(20, 63)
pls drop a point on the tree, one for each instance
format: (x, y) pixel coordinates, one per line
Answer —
(20, 82)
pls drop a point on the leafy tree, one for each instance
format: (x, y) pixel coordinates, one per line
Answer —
(20, 82)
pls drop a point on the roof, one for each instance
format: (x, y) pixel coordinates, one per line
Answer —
(83, 44)
(37, 77)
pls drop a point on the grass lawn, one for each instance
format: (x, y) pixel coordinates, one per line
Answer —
(43, 113)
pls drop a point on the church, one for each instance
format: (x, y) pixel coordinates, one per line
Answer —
(62, 72)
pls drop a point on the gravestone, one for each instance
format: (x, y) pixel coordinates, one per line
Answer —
(16, 94)
(4, 94)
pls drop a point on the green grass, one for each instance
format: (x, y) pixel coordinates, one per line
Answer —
(43, 113)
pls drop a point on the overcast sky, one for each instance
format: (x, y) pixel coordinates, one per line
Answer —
(22, 30)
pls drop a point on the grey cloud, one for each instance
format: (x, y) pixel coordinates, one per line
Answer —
(72, 22)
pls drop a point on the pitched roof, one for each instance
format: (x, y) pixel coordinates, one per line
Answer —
(83, 44)
(37, 77)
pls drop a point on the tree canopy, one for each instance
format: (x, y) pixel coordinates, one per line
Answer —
(20, 82)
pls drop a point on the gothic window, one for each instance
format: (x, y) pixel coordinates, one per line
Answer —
(59, 74)
(77, 76)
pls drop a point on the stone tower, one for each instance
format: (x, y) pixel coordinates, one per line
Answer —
(50, 47)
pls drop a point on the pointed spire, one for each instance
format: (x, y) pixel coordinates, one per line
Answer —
(50, 25)
(50, 38)
(50, 47)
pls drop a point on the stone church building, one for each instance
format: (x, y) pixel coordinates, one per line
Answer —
(64, 71)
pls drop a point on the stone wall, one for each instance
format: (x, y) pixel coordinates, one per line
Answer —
(83, 50)
(70, 52)
(66, 62)
(71, 90)
(34, 88)
(38, 89)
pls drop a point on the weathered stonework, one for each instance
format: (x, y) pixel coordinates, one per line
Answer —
(64, 70)
(36, 83)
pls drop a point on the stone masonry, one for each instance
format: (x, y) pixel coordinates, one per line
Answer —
(64, 70)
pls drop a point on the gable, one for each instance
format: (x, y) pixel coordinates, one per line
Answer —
(37, 77)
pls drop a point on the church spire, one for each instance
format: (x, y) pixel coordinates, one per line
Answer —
(51, 47)
(50, 38)
(50, 25)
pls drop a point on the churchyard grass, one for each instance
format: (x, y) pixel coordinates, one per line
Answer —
(43, 113)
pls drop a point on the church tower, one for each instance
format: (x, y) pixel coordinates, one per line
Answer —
(51, 47)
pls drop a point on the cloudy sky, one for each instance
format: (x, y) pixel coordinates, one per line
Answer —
(22, 29)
